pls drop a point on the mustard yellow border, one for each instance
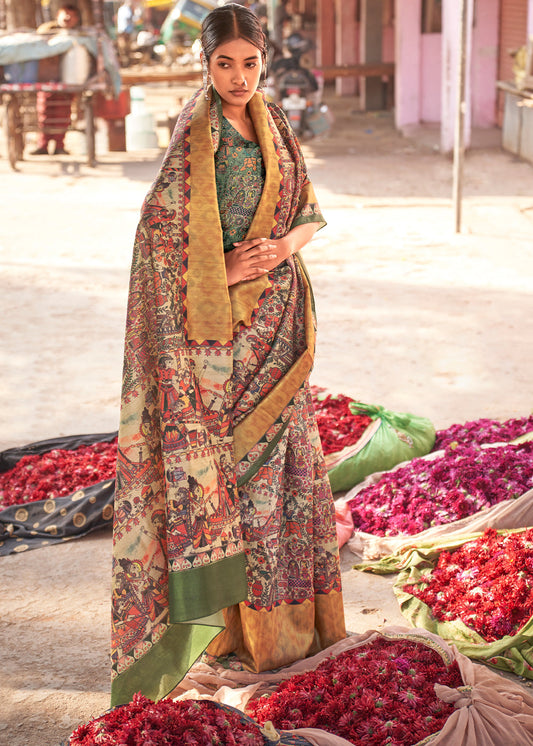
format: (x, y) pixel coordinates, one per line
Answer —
(213, 310)
(208, 305)
(247, 433)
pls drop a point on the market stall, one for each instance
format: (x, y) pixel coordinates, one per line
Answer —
(71, 64)
(517, 125)
(517, 128)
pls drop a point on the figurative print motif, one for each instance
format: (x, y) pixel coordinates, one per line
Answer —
(177, 503)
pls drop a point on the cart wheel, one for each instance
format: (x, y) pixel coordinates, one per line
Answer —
(15, 139)
(90, 131)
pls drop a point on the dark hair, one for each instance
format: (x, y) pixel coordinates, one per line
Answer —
(229, 22)
(71, 8)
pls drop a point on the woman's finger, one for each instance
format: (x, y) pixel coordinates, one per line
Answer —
(262, 250)
(249, 243)
(257, 273)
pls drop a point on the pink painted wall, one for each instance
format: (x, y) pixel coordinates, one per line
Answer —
(485, 64)
(430, 77)
(387, 46)
(408, 60)
(347, 44)
(419, 66)
(325, 42)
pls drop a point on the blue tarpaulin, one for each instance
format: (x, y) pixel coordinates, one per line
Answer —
(25, 46)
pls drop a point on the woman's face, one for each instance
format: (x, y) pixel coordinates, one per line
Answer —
(235, 69)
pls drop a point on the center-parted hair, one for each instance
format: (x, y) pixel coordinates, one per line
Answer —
(228, 22)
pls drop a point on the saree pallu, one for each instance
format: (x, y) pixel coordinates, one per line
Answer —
(224, 533)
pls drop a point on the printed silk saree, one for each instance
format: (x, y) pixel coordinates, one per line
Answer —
(224, 532)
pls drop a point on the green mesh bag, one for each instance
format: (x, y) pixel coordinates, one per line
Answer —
(392, 437)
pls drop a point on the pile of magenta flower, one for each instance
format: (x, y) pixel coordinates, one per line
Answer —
(57, 473)
(476, 469)
(486, 583)
(483, 431)
(375, 694)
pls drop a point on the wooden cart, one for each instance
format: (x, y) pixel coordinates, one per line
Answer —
(20, 114)
(20, 102)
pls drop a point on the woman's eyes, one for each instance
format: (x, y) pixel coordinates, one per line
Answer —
(226, 65)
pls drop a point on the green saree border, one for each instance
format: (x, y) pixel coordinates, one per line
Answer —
(201, 591)
(194, 598)
(254, 468)
(162, 667)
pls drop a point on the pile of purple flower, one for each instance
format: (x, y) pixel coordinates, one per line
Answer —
(478, 432)
(430, 492)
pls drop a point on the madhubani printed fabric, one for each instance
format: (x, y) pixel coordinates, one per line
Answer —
(223, 511)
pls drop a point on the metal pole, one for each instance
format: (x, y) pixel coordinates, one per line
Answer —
(459, 149)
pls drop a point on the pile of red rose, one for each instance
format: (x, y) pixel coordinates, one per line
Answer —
(339, 425)
(57, 473)
(474, 469)
(487, 583)
(379, 693)
(143, 722)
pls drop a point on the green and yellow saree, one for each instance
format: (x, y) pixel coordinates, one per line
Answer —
(224, 532)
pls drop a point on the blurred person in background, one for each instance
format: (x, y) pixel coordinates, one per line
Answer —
(125, 31)
(54, 108)
(282, 15)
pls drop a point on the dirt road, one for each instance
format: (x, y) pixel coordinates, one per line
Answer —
(411, 316)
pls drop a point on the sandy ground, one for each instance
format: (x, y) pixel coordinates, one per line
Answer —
(412, 316)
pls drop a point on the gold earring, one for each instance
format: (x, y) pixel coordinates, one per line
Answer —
(205, 77)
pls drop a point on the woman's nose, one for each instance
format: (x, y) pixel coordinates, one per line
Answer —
(239, 77)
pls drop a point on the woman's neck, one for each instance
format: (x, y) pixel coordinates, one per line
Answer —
(239, 117)
(235, 113)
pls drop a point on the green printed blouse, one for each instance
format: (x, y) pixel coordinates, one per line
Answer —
(240, 175)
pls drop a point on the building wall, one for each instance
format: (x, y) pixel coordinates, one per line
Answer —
(338, 38)
(513, 34)
(430, 71)
(408, 59)
(484, 72)
(499, 26)
(419, 99)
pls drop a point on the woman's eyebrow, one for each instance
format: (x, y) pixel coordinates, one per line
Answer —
(227, 57)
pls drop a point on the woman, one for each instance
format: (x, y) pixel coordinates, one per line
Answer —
(217, 429)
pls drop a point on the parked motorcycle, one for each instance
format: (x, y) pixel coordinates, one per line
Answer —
(297, 90)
